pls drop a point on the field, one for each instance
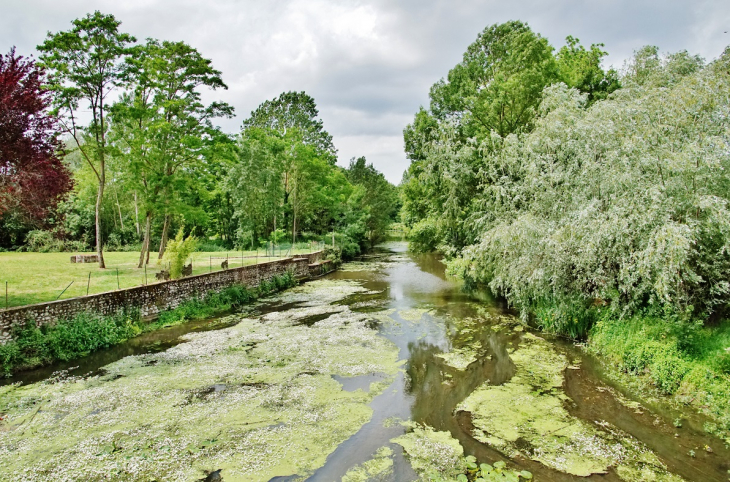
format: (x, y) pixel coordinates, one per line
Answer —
(39, 277)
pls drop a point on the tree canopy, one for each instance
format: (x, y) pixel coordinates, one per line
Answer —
(32, 177)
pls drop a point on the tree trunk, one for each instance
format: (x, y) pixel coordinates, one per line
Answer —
(146, 242)
(97, 215)
(136, 215)
(163, 241)
(121, 219)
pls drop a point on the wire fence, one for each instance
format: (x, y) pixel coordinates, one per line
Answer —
(40, 278)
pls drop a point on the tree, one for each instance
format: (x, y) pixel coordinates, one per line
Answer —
(581, 68)
(498, 84)
(623, 206)
(379, 202)
(294, 110)
(85, 65)
(32, 178)
(165, 130)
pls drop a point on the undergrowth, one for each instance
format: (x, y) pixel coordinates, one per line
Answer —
(687, 360)
(35, 346)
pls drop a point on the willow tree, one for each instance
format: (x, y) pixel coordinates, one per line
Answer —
(623, 206)
(85, 66)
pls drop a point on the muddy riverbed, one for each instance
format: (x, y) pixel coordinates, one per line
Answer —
(385, 370)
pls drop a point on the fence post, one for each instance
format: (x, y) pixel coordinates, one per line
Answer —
(118, 287)
(6, 295)
(145, 274)
(88, 283)
(64, 290)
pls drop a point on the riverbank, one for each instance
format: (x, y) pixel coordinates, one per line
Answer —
(34, 346)
(685, 366)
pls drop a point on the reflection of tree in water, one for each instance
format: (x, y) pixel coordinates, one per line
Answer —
(438, 388)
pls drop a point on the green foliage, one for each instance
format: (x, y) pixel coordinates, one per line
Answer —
(178, 251)
(673, 356)
(294, 110)
(376, 202)
(622, 205)
(85, 65)
(44, 241)
(68, 339)
(422, 236)
(580, 68)
(333, 254)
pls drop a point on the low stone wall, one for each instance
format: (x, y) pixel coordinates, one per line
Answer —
(156, 297)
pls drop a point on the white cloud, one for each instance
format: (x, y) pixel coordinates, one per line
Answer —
(368, 64)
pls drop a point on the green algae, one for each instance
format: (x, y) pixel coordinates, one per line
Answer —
(413, 314)
(378, 468)
(433, 455)
(526, 417)
(320, 292)
(461, 358)
(241, 399)
(359, 266)
(465, 349)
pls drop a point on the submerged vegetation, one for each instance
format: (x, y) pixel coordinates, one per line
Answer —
(526, 417)
(34, 346)
(254, 400)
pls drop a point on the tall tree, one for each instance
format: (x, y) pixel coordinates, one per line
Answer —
(164, 128)
(581, 68)
(32, 177)
(85, 65)
(498, 84)
(294, 110)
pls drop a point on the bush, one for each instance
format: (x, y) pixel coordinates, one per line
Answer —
(177, 252)
(423, 236)
(42, 241)
(332, 254)
(68, 339)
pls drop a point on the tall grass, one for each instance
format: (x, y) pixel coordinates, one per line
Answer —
(687, 360)
(35, 346)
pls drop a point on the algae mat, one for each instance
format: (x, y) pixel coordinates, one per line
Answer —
(526, 417)
(255, 400)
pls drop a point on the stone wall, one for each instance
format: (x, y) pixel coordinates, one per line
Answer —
(156, 297)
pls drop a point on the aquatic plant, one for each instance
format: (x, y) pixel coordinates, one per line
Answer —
(240, 400)
(438, 457)
(530, 409)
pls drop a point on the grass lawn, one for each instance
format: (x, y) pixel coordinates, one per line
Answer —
(39, 277)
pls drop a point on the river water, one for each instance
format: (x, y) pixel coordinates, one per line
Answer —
(458, 352)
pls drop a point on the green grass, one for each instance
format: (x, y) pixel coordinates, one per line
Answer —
(34, 346)
(41, 277)
(688, 362)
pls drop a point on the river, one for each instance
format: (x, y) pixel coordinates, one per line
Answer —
(384, 370)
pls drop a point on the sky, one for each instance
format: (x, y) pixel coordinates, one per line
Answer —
(368, 64)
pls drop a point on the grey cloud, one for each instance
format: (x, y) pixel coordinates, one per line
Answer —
(369, 64)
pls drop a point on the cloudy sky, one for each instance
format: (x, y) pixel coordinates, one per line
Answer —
(368, 64)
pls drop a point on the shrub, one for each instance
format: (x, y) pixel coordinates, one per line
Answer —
(423, 236)
(68, 339)
(177, 252)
